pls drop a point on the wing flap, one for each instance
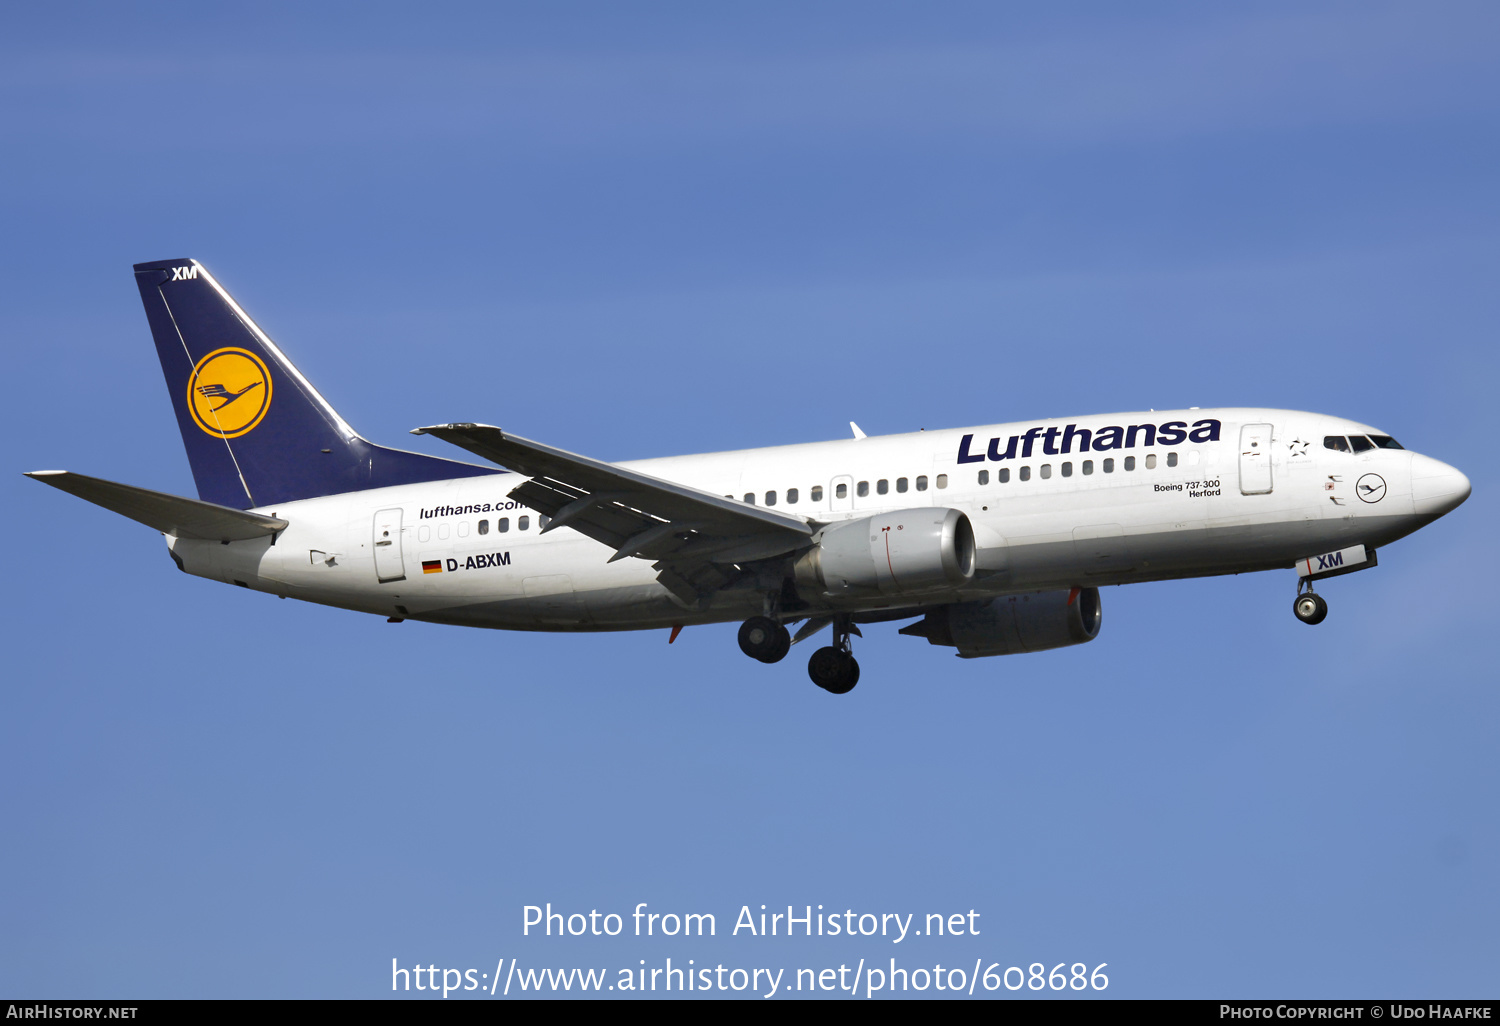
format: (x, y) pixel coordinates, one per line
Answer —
(169, 514)
(604, 522)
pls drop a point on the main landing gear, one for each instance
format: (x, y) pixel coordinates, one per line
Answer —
(763, 638)
(1308, 606)
(834, 668)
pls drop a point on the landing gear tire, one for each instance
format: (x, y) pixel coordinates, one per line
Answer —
(1310, 608)
(763, 638)
(833, 670)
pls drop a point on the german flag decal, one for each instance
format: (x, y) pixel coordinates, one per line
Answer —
(432, 566)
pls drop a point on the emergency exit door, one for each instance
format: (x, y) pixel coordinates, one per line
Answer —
(1255, 459)
(389, 565)
(841, 493)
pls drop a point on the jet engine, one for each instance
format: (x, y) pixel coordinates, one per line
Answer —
(1014, 623)
(908, 552)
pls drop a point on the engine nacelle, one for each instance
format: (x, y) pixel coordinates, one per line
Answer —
(1014, 623)
(908, 552)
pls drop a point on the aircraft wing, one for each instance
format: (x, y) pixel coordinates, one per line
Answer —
(169, 514)
(693, 536)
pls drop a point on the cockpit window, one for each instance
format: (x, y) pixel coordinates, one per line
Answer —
(1338, 442)
(1386, 442)
(1361, 443)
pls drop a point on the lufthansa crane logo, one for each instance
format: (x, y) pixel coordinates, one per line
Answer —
(229, 392)
(1370, 488)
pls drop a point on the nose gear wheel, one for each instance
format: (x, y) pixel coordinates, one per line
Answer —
(1310, 608)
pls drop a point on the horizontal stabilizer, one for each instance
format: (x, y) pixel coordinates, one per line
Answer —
(169, 514)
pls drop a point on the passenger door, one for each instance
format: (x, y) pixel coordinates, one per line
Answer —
(389, 565)
(1255, 459)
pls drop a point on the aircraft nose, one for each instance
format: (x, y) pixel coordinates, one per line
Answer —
(1436, 488)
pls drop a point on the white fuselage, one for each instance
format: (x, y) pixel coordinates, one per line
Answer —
(1134, 505)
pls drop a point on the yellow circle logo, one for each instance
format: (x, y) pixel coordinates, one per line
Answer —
(229, 392)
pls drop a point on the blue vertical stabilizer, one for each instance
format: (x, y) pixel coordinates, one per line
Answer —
(256, 431)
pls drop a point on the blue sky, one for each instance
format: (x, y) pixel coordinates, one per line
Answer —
(646, 230)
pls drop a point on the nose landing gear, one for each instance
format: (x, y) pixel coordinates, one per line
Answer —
(1309, 607)
(834, 668)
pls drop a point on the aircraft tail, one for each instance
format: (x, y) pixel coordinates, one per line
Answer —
(256, 431)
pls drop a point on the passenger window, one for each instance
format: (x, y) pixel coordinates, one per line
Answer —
(523, 523)
(423, 533)
(942, 480)
(543, 521)
(1171, 459)
(1385, 442)
(922, 483)
(463, 529)
(1003, 475)
(484, 527)
(841, 491)
(750, 498)
(1025, 473)
(1336, 442)
(863, 489)
(984, 477)
(1046, 471)
(443, 531)
(1088, 467)
(1192, 457)
(817, 493)
(882, 486)
(900, 484)
(1129, 462)
(1067, 469)
(1361, 443)
(1151, 462)
(1109, 466)
(791, 496)
(770, 498)
(502, 525)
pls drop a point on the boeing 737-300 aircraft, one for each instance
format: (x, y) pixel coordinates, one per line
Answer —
(992, 540)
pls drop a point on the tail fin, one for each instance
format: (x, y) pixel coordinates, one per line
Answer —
(257, 433)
